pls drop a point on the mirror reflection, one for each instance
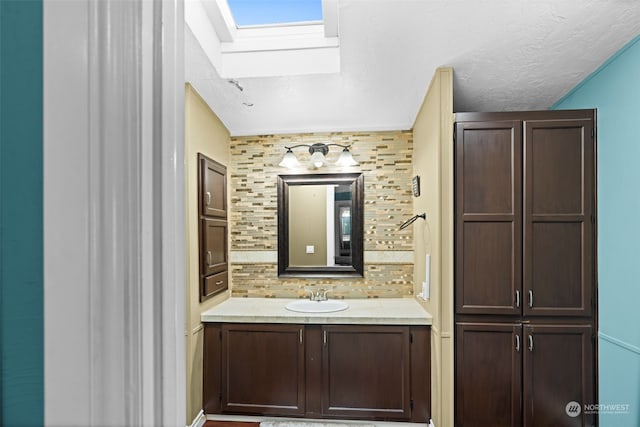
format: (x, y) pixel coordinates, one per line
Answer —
(319, 225)
(320, 219)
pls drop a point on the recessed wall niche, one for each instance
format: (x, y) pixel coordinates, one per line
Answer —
(385, 161)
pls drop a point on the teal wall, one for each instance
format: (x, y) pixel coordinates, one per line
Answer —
(21, 257)
(614, 89)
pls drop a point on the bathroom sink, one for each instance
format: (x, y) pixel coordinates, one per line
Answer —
(308, 306)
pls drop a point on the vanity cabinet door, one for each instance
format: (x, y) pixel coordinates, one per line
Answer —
(366, 372)
(263, 369)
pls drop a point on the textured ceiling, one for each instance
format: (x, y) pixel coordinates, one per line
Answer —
(506, 55)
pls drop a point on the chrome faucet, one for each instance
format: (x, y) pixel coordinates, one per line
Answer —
(318, 295)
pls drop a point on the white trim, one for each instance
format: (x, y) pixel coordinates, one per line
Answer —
(330, 15)
(221, 17)
(620, 343)
(253, 257)
(67, 362)
(114, 213)
(280, 62)
(172, 372)
(323, 128)
(264, 51)
(319, 421)
(388, 257)
(199, 420)
(279, 38)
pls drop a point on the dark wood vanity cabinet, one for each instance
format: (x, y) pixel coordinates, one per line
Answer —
(318, 371)
(213, 232)
(263, 369)
(525, 267)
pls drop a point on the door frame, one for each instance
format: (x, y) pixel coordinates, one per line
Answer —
(114, 294)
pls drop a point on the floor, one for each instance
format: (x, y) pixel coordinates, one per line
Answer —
(214, 423)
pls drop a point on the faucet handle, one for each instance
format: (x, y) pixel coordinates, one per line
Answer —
(322, 294)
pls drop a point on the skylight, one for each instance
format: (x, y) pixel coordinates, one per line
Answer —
(248, 13)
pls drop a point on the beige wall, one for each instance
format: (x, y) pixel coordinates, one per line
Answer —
(204, 133)
(308, 224)
(433, 162)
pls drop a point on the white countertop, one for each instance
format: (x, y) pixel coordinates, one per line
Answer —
(373, 311)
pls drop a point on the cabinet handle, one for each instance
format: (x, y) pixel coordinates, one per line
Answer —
(209, 258)
(530, 298)
(518, 343)
(219, 282)
(300, 336)
(324, 337)
(208, 198)
(530, 342)
(518, 299)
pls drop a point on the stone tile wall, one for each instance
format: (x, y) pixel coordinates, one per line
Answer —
(385, 160)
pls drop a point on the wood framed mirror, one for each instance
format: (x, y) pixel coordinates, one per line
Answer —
(320, 225)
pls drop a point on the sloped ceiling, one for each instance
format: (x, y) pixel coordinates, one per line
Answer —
(506, 55)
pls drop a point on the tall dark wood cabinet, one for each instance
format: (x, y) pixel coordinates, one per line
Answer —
(213, 232)
(525, 267)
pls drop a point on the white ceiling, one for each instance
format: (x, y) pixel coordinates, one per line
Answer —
(506, 55)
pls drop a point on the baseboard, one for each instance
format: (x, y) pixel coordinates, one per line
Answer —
(328, 421)
(199, 420)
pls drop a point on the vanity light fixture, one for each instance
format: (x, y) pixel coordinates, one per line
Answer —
(318, 152)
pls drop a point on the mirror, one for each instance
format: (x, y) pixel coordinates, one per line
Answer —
(320, 225)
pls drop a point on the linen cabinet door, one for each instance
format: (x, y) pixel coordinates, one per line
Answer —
(488, 378)
(559, 255)
(213, 255)
(366, 372)
(263, 370)
(488, 217)
(558, 374)
(213, 188)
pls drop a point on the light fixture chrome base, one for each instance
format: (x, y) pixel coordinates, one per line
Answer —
(319, 147)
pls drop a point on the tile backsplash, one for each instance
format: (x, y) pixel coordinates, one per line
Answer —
(385, 161)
